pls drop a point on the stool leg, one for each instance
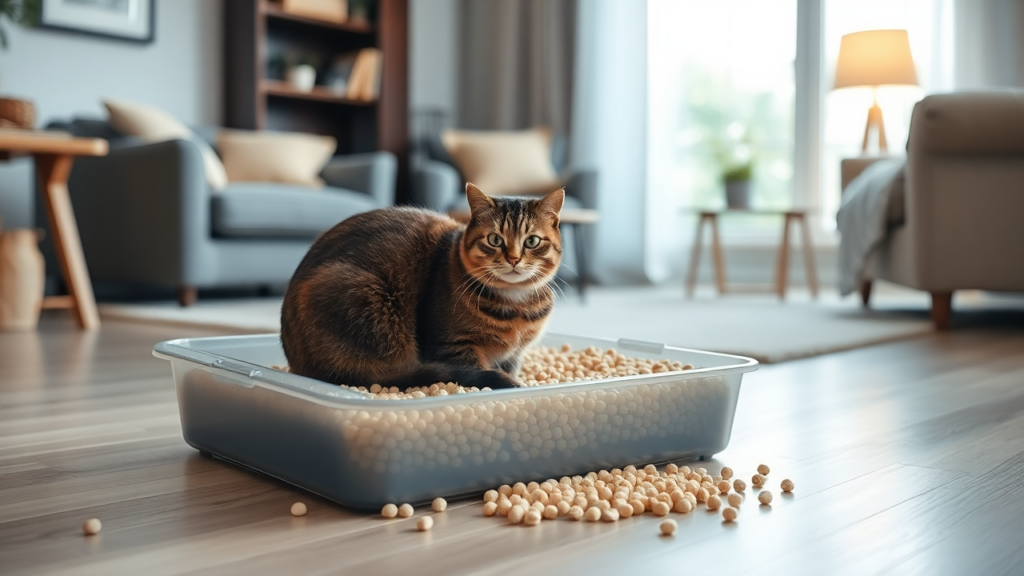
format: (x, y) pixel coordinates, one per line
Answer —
(782, 272)
(691, 274)
(942, 310)
(716, 250)
(812, 273)
(582, 273)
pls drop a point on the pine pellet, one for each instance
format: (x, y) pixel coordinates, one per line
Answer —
(660, 508)
(575, 512)
(714, 503)
(389, 511)
(92, 526)
(439, 504)
(726, 473)
(491, 496)
(763, 469)
(739, 485)
(787, 485)
(405, 511)
(504, 507)
(516, 514)
(424, 523)
(735, 500)
(563, 508)
(532, 517)
(592, 514)
(683, 506)
(765, 497)
(550, 512)
(724, 487)
(668, 527)
(298, 509)
(610, 515)
(490, 508)
(757, 480)
(729, 514)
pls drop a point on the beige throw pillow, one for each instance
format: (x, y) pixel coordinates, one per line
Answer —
(154, 125)
(504, 162)
(288, 157)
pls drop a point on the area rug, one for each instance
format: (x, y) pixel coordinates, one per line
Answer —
(755, 325)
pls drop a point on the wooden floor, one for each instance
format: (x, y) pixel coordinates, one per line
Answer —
(908, 459)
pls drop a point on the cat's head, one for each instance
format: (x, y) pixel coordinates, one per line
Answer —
(512, 242)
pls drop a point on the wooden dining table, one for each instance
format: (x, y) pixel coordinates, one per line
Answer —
(54, 153)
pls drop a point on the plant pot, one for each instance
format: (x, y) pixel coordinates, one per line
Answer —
(737, 194)
(15, 113)
(22, 275)
(302, 77)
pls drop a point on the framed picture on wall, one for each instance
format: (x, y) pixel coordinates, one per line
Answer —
(122, 19)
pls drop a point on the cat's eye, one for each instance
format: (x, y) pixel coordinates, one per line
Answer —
(494, 240)
(532, 241)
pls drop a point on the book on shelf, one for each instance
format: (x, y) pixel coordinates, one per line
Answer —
(356, 75)
(329, 10)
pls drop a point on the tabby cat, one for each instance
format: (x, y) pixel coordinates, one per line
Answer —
(408, 297)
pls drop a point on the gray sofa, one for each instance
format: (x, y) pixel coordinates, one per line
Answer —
(147, 216)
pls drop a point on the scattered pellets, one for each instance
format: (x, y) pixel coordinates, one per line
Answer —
(729, 514)
(703, 495)
(439, 504)
(389, 511)
(424, 523)
(668, 527)
(550, 512)
(405, 511)
(504, 507)
(575, 512)
(757, 480)
(593, 514)
(298, 509)
(787, 485)
(625, 510)
(491, 496)
(765, 497)
(726, 473)
(490, 508)
(735, 500)
(671, 468)
(763, 469)
(724, 487)
(714, 503)
(563, 508)
(92, 526)
(638, 506)
(516, 514)
(739, 485)
(660, 508)
(683, 506)
(610, 515)
(532, 517)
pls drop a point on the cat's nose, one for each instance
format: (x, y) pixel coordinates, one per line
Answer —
(513, 261)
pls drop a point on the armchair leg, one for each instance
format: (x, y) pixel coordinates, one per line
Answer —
(187, 295)
(942, 309)
(865, 293)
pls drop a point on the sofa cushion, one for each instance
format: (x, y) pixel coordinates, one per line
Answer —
(264, 209)
(462, 205)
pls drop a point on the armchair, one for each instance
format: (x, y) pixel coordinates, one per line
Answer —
(147, 216)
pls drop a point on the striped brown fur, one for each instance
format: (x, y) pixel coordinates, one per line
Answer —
(409, 297)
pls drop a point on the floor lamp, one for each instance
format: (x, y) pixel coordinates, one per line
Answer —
(875, 58)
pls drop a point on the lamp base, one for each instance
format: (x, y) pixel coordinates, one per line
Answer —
(875, 119)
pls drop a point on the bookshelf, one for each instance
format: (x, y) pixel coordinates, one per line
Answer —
(258, 32)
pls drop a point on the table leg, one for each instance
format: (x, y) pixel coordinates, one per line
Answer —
(52, 172)
(691, 273)
(812, 273)
(582, 272)
(716, 249)
(782, 270)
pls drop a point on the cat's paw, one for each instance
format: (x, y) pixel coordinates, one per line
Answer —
(494, 379)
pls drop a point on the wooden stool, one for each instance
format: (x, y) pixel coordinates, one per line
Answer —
(54, 152)
(782, 264)
(575, 219)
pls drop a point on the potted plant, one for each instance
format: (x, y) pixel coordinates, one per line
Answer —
(18, 12)
(737, 184)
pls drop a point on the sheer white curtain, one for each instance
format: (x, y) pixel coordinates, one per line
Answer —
(989, 43)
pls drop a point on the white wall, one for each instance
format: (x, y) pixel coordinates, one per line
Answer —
(67, 74)
(433, 45)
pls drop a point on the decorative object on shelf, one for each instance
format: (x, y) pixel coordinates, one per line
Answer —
(131, 20)
(302, 77)
(18, 12)
(16, 113)
(737, 185)
(329, 10)
(22, 277)
(361, 11)
(875, 58)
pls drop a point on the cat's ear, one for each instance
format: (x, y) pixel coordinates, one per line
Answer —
(552, 202)
(478, 201)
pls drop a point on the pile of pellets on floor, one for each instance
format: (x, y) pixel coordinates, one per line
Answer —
(542, 365)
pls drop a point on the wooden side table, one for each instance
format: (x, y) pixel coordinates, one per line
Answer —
(575, 219)
(54, 152)
(799, 217)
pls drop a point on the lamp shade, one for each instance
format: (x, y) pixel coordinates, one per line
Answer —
(875, 58)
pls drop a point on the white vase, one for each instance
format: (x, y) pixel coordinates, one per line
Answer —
(22, 275)
(302, 77)
(737, 194)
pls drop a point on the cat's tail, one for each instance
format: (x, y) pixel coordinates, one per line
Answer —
(427, 374)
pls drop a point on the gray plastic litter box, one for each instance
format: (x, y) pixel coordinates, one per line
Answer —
(363, 453)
